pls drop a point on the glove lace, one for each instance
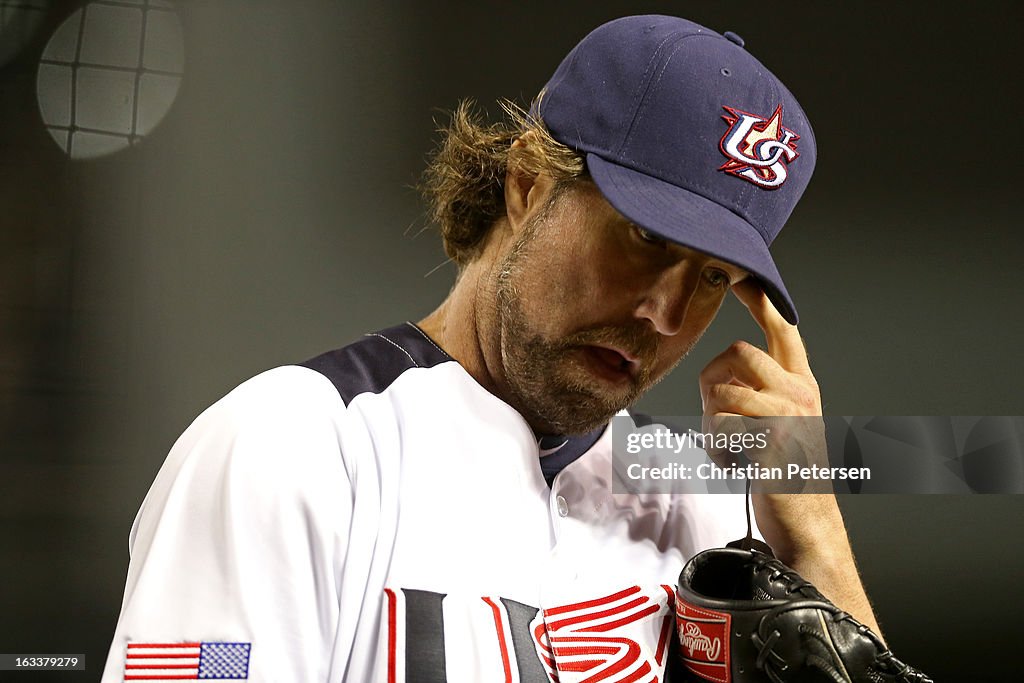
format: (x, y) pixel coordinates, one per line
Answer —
(794, 582)
(816, 661)
(765, 637)
(904, 672)
(768, 660)
(800, 635)
(772, 663)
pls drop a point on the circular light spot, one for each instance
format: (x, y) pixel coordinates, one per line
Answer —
(109, 75)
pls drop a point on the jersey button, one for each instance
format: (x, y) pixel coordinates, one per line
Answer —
(563, 507)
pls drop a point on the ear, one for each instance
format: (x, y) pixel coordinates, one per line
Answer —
(525, 193)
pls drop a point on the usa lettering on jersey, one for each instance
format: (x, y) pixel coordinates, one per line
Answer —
(619, 637)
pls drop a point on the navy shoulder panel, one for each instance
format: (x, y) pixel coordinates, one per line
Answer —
(375, 361)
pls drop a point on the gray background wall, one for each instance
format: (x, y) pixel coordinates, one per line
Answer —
(269, 217)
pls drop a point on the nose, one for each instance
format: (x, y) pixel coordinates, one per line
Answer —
(666, 301)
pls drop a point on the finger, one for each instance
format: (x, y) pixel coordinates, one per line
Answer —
(744, 363)
(729, 398)
(729, 423)
(727, 431)
(784, 342)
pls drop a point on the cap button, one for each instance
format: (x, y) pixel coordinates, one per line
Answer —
(729, 35)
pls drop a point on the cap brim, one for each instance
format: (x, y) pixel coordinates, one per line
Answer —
(693, 221)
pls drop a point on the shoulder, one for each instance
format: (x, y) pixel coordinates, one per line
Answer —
(289, 414)
(272, 436)
(286, 437)
(373, 363)
(275, 397)
(291, 424)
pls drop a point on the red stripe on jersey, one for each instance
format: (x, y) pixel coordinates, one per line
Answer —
(666, 630)
(615, 646)
(666, 627)
(628, 619)
(580, 666)
(594, 616)
(561, 651)
(501, 639)
(592, 603)
(392, 633)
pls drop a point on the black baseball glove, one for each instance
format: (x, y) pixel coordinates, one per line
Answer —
(743, 616)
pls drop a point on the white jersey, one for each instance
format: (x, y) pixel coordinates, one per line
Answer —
(376, 515)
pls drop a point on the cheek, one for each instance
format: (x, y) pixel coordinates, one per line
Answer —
(672, 349)
(560, 283)
(551, 289)
(706, 307)
(699, 317)
(578, 272)
(702, 313)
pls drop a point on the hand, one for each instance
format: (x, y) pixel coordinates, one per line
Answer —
(745, 380)
(806, 530)
(747, 387)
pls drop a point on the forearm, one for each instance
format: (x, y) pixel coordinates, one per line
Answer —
(818, 549)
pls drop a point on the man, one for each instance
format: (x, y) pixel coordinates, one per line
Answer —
(433, 502)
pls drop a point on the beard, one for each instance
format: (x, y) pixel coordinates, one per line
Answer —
(546, 379)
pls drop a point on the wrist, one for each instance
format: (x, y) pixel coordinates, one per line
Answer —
(803, 528)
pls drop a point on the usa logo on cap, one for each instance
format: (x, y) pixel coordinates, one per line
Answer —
(758, 149)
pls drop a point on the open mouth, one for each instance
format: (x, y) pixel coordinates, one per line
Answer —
(611, 363)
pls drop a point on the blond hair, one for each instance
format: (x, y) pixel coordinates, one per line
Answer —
(464, 182)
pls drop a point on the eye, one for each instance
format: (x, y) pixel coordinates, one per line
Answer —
(648, 236)
(717, 278)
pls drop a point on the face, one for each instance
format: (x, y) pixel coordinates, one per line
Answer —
(592, 311)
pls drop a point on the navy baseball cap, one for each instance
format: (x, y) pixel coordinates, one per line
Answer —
(687, 135)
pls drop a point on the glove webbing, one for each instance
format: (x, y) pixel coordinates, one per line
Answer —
(765, 636)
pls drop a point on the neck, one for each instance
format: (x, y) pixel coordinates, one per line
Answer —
(463, 325)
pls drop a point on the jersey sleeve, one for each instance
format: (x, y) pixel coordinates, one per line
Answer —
(239, 549)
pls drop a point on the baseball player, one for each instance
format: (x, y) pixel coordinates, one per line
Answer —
(432, 502)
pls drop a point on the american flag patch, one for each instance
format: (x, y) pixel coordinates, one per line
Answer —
(186, 661)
